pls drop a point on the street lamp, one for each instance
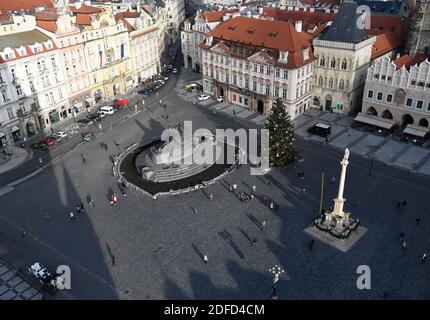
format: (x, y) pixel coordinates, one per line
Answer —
(372, 157)
(276, 271)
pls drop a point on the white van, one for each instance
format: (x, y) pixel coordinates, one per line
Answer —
(103, 111)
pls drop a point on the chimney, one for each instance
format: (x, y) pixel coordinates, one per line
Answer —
(298, 26)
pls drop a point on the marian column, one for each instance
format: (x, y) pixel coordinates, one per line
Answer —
(339, 201)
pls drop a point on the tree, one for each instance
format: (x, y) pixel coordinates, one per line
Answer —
(281, 132)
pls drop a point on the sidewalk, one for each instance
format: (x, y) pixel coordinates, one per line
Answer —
(19, 155)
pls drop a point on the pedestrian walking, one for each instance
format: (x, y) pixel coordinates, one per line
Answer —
(404, 244)
(72, 216)
(254, 187)
(24, 234)
(254, 242)
(84, 160)
(40, 161)
(311, 244)
(234, 186)
(303, 191)
(195, 210)
(205, 259)
(211, 196)
(82, 207)
(424, 258)
(332, 180)
(402, 236)
(272, 205)
(418, 220)
(265, 200)
(78, 209)
(263, 225)
(52, 130)
(113, 259)
(230, 188)
(405, 203)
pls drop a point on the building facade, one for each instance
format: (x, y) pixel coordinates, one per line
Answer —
(253, 62)
(419, 35)
(33, 90)
(71, 48)
(107, 52)
(344, 54)
(399, 90)
(176, 15)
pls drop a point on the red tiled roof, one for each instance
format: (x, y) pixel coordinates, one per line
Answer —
(385, 43)
(127, 14)
(214, 16)
(83, 19)
(46, 16)
(315, 18)
(268, 34)
(5, 18)
(47, 25)
(28, 52)
(408, 61)
(84, 9)
(19, 5)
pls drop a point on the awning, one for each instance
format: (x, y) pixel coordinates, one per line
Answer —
(417, 131)
(15, 129)
(375, 121)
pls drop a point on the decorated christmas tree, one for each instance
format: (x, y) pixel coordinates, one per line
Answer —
(281, 131)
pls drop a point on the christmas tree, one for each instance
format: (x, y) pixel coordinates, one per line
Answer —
(281, 131)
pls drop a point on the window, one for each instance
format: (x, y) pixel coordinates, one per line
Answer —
(32, 87)
(10, 113)
(428, 106)
(4, 95)
(254, 86)
(246, 83)
(19, 90)
(341, 84)
(320, 81)
(409, 102)
(333, 63)
(284, 93)
(379, 96)
(420, 104)
(389, 98)
(262, 69)
(234, 79)
(255, 67)
(277, 73)
(26, 69)
(60, 93)
(343, 65)
(285, 74)
(267, 88)
(268, 71)
(330, 83)
(12, 71)
(370, 94)
(276, 91)
(322, 62)
(53, 62)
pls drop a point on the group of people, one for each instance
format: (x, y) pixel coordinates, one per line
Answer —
(79, 209)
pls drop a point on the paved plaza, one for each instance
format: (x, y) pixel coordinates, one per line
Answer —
(153, 249)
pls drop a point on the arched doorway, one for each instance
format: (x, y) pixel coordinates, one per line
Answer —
(372, 111)
(189, 61)
(197, 67)
(87, 100)
(98, 95)
(407, 119)
(424, 123)
(328, 102)
(30, 128)
(260, 106)
(387, 114)
(221, 91)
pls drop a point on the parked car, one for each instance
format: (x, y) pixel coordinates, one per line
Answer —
(121, 102)
(220, 99)
(39, 146)
(61, 134)
(106, 110)
(94, 117)
(89, 136)
(203, 97)
(56, 139)
(175, 70)
(49, 142)
(85, 121)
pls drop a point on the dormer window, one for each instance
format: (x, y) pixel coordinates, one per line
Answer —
(284, 57)
(305, 53)
(8, 55)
